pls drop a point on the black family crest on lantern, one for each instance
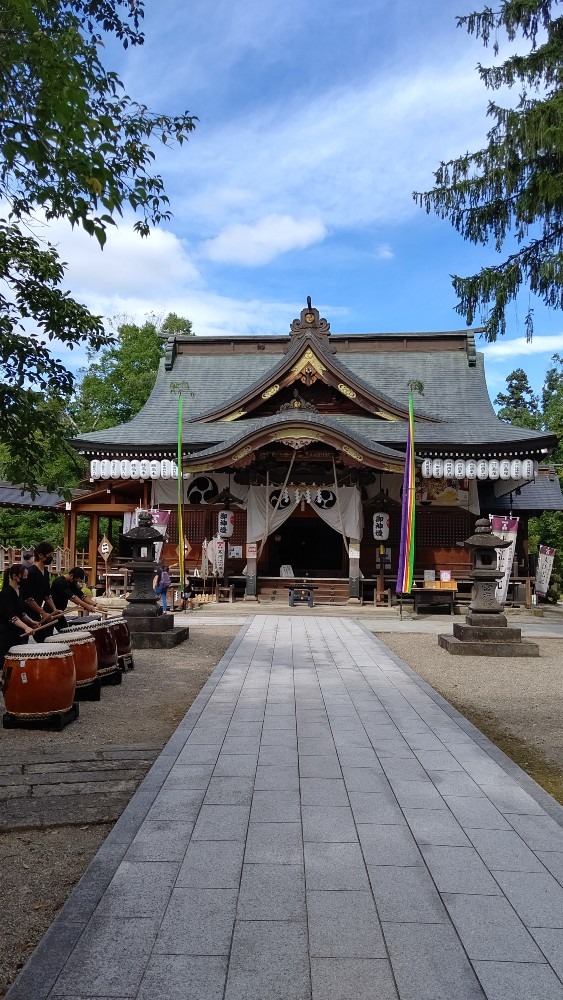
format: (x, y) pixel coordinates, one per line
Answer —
(309, 323)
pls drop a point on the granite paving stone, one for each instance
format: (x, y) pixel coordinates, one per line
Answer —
(344, 925)
(272, 892)
(352, 979)
(503, 850)
(406, 895)
(212, 864)
(320, 827)
(490, 929)
(518, 981)
(184, 977)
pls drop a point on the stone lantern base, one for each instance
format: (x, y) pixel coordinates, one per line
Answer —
(487, 635)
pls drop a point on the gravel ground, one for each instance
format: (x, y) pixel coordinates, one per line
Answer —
(39, 867)
(517, 703)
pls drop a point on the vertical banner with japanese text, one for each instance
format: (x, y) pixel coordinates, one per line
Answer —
(544, 568)
(507, 529)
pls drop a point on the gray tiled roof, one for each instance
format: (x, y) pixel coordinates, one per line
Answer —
(543, 494)
(454, 393)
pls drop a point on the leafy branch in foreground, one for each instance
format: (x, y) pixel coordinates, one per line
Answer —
(513, 188)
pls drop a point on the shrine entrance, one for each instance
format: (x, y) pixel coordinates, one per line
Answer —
(309, 545)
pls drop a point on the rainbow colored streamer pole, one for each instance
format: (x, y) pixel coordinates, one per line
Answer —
(181, 553)
(406, 551)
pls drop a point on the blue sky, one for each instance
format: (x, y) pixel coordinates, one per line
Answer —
(317, 121)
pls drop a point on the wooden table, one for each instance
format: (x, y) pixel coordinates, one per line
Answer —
(300, 593)
(426, 597)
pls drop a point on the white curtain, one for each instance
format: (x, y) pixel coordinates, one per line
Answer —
(322, 502)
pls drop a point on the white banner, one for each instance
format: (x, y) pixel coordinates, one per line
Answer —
(507, 529)
(262, 516)
(544, 568)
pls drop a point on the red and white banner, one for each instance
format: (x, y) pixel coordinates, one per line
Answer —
(507, 529)
(544, 568)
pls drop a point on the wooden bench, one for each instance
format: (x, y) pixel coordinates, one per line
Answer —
(225, 594)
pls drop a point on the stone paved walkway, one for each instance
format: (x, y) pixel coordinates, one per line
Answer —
(321, 826)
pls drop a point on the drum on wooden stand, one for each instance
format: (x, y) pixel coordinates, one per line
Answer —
(39, 683)
(120, 628)
(83, 648)
(106, 649)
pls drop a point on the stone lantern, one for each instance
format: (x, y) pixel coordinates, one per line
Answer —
(149, 628)
(486, 632)
(485, 572)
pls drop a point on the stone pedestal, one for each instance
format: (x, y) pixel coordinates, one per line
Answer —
(486, 632)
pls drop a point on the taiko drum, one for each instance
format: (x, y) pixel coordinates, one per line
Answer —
(120, 628)
(83, 648)
(106, 646)
(39, 681)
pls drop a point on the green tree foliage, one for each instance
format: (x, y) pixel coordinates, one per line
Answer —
(73, 145)
(118, 381)
(512, 189)
(518, 405)
(521, 407)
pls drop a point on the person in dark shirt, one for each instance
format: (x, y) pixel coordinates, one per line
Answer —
(68, 588)
(36, 589)
(15, 625)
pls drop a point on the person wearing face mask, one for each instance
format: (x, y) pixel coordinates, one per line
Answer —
(15, 625)
(36, 589)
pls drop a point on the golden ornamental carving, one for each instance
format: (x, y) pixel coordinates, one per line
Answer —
(385, 415)
(295, 435)
(346, 390)
(241, 454)
(352, 453)
(271, 391)
(234, 416)
(308, 359)
(295, 443)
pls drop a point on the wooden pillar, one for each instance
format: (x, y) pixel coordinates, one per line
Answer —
(93, 547)
(70, 535)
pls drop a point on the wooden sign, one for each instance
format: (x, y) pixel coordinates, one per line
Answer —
(105, 548)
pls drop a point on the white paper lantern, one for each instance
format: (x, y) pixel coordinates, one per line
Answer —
(125, 467)
(154, 467)
(95, 472)
(482, 468)
(165, 468)
(381, 526)
(494, 469)
(459, 468)
(470, 468)
(516, 468)
(226, 523)
(437, 468)
(449, 468)
(145, 468)
(504, 468)
(527, 469)
(115, 468)
(135, 468)
(105, 468)
(173, 470)
(426, 468)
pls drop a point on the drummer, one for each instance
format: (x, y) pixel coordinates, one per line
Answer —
(68, 588)
(15, 625)
(36, 589)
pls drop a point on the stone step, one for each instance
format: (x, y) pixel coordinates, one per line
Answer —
(473, 633)
(459, 648)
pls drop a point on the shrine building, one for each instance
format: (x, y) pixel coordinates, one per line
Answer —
(302, 437)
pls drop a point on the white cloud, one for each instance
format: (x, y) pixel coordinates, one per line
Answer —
(505, 350)
(261, 242)
(384, 252)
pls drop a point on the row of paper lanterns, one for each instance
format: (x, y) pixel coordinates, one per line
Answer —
(135, 468)
(479, 468)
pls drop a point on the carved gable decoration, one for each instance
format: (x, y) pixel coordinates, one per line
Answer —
(309, 324)
(298, 403)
